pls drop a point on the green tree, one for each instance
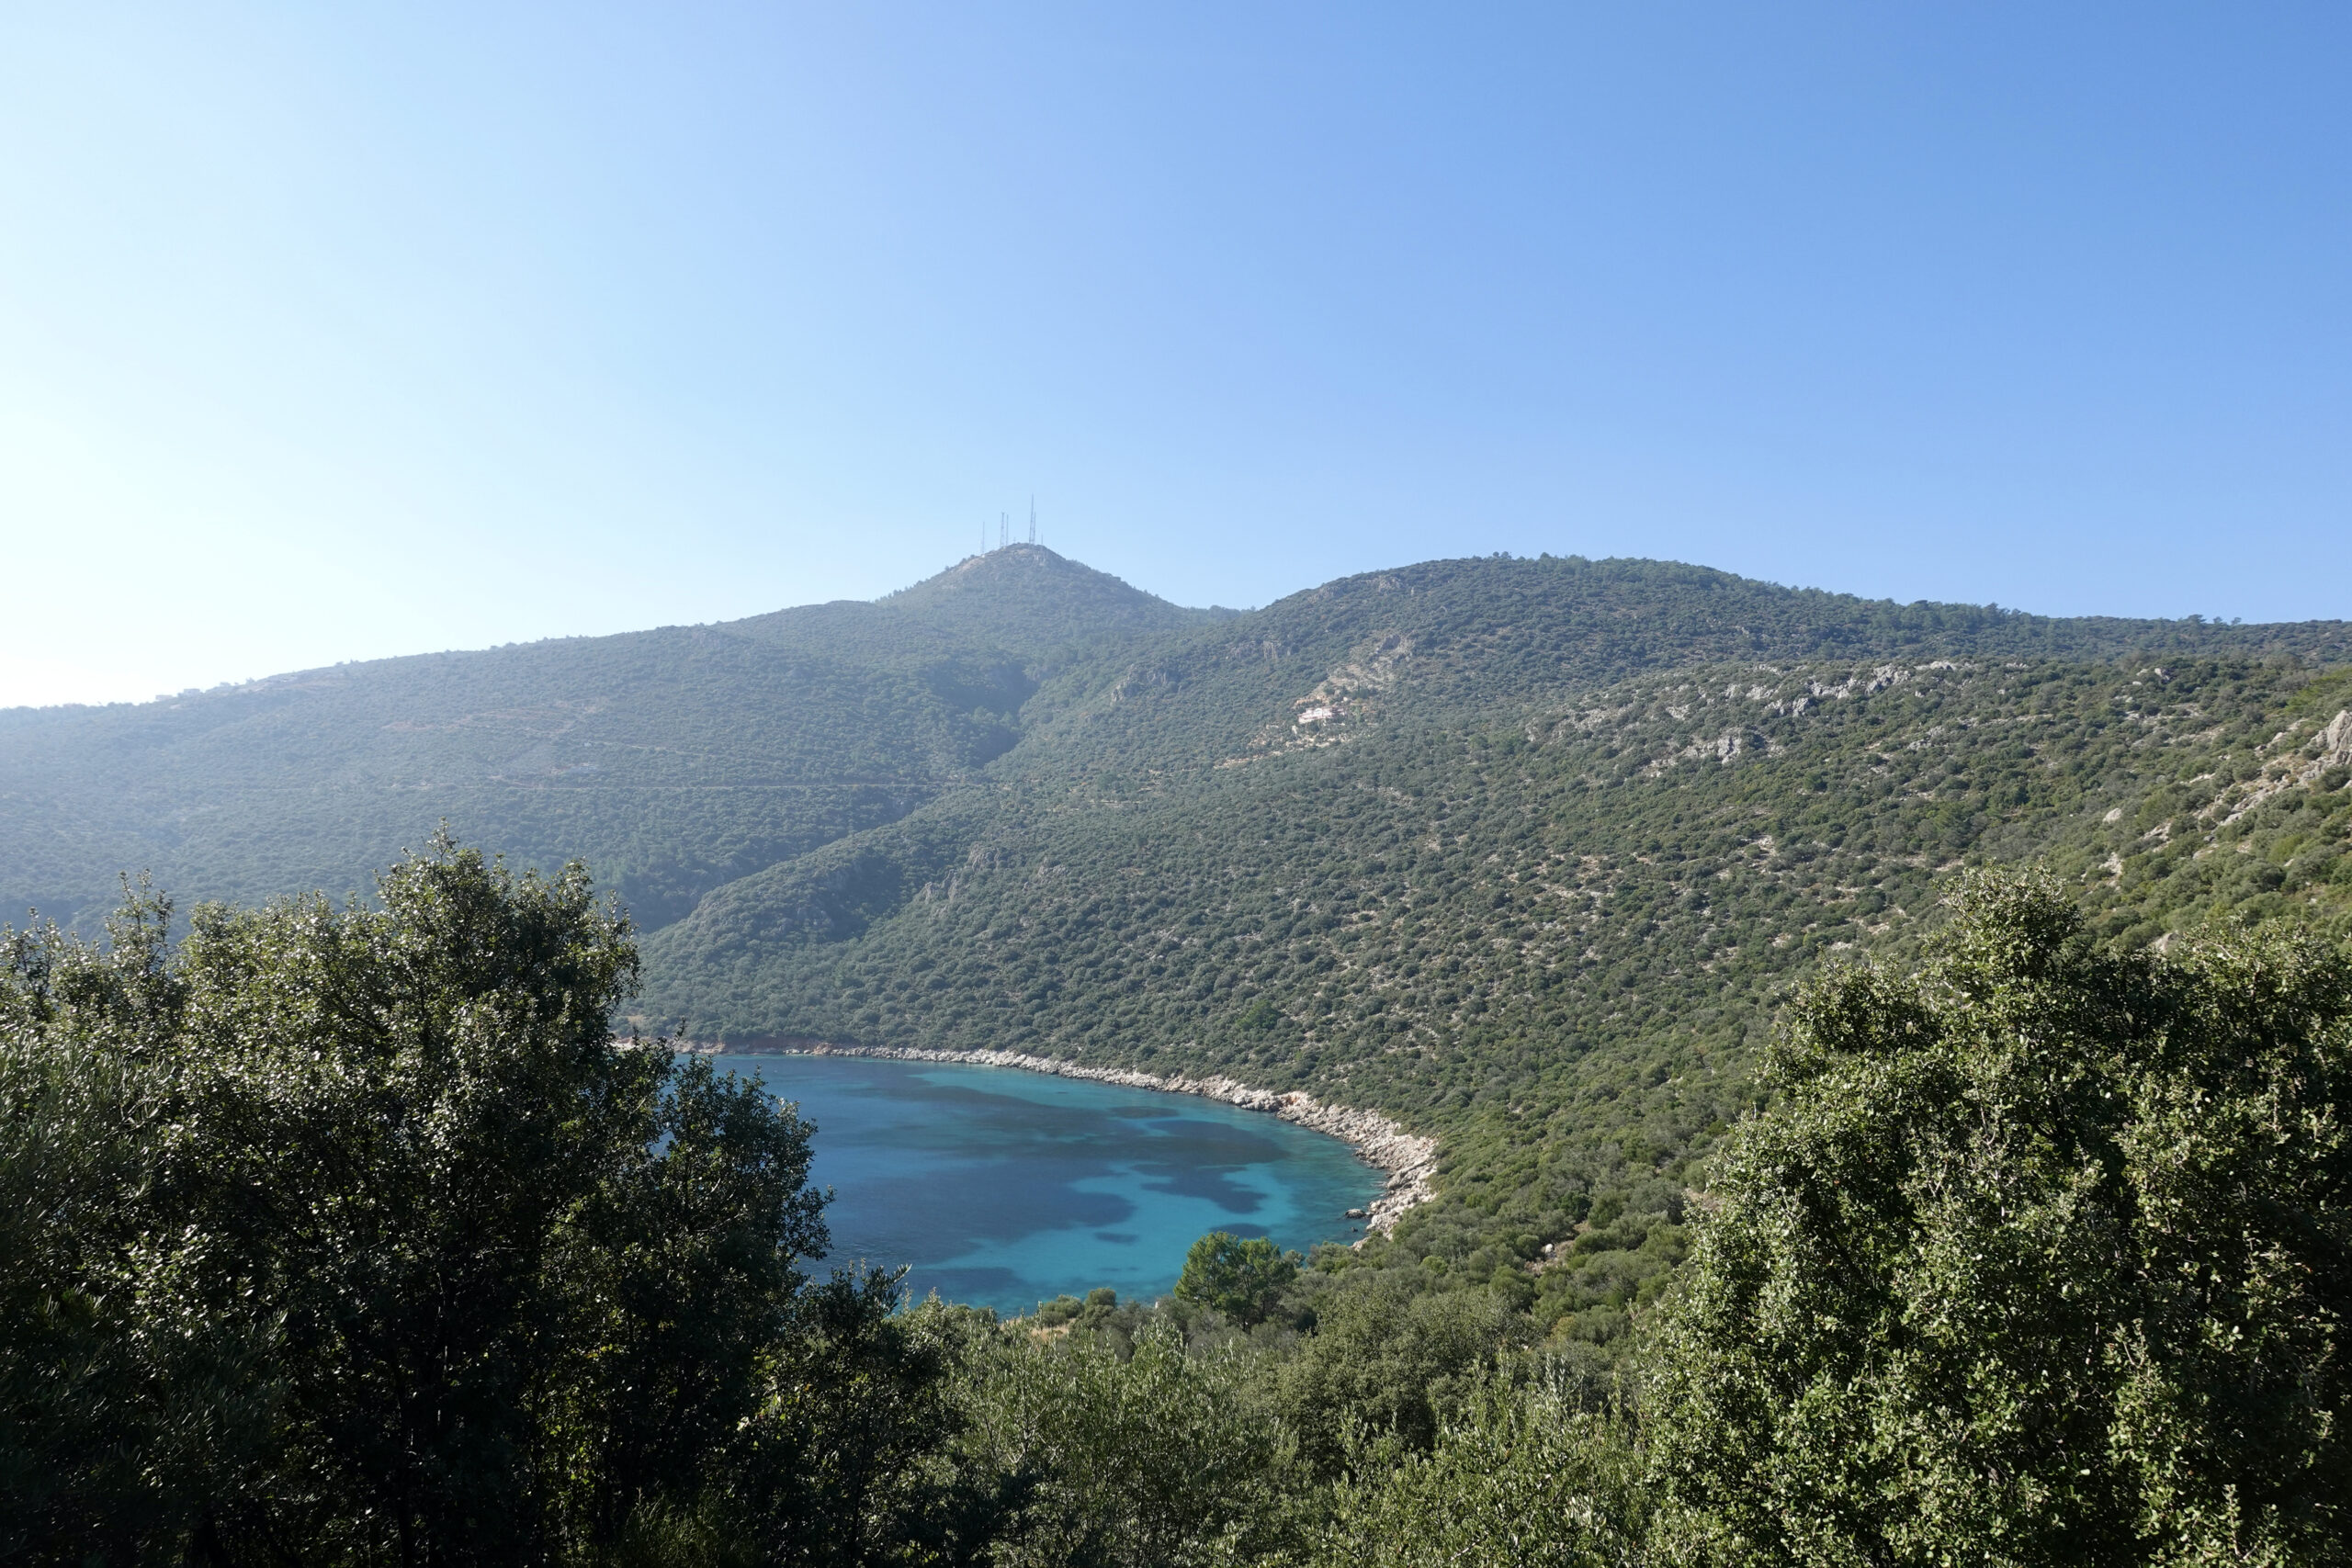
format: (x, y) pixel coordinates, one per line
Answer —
(2042, 1256)
(1156, 1460)
(855, 1396)
(1242, 1279)
(127, 1393)
(1518, 1476)
(351, 1235)
(1390, 1358)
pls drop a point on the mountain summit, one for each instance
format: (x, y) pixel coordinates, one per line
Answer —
(1515, 851)
(672, 760)
(1013, 593)
(679, 761)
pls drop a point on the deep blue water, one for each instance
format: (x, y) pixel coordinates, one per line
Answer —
(1004, 1188)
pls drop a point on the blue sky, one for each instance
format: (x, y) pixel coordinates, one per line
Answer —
(337, 332)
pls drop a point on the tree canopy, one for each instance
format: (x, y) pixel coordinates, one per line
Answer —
(350, 1234)
(346, 1235)
(1240, 1279)
(1515, 852)
(2043, 1254)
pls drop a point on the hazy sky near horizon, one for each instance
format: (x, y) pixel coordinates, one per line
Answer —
(331, 333)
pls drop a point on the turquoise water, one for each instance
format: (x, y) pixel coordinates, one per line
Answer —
(1003, 1188)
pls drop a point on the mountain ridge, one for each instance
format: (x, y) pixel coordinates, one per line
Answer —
(1514, 852)
(789, 729)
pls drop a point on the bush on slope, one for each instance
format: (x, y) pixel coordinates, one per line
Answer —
(1555, 937)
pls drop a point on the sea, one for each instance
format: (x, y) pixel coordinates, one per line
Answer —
(1002, 1187)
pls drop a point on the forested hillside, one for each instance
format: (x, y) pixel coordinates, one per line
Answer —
(1521, 851)
(354, 1236)
(2017, 1235)
(672, 760)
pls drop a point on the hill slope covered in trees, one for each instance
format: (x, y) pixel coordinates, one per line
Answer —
(670, 761)
(1522, 852)
(1519, 852)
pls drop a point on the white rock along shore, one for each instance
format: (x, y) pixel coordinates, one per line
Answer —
(1410, 1161)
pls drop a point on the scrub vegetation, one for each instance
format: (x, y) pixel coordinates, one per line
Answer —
(1885, 1060)
(351, 1235)
(1535, 880)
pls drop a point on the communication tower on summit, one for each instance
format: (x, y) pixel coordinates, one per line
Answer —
(1003, 529)
(1032, 519)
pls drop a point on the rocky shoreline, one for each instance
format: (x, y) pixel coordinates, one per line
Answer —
(1410, 1160)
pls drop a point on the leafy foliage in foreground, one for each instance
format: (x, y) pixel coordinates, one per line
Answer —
(1240, 1279)
(2044, 1256)
(1516, 1475)
(347, 1237)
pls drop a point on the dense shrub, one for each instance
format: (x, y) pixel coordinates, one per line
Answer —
(344, 1234)
(2043, 1256)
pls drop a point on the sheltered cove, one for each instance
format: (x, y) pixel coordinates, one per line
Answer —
(1410, 1160)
